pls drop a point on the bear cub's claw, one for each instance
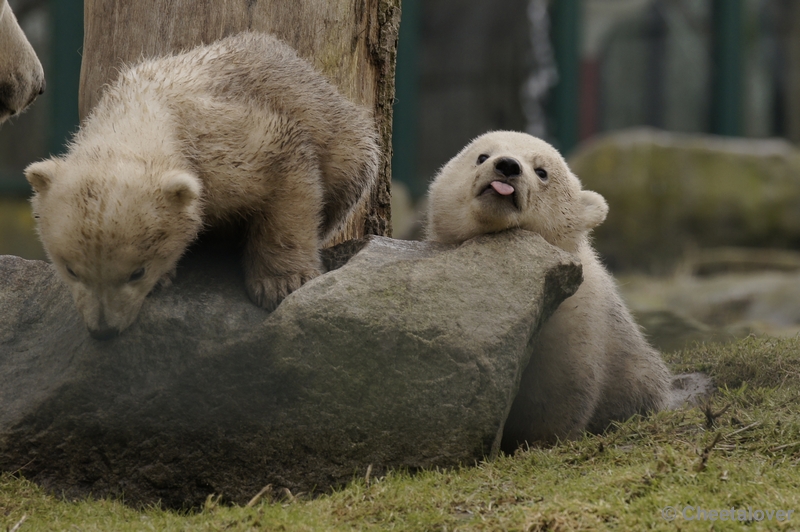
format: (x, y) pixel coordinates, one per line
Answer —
(268, 292)
(165, 281)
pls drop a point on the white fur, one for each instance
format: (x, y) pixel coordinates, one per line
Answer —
(21, 74)
(242, 129)
(590, 363)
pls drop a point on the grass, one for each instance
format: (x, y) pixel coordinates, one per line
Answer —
(741, 450)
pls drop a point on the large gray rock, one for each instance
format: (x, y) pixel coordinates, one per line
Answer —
(670, 194)
(409, 355)
(716, 308)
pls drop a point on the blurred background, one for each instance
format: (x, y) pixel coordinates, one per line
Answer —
(568, 70)
(55, 29)
(684, 114)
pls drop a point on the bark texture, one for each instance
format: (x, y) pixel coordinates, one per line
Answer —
(352, 42)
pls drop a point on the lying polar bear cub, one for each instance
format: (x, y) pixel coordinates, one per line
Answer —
(590, 363)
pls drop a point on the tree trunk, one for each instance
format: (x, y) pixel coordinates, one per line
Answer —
(352, 42)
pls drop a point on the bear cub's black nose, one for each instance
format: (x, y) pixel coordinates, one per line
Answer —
(507, 167)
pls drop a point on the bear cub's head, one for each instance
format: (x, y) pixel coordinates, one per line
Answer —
(506, 179)
(113, 229)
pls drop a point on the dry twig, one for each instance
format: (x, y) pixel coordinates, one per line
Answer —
(258, 496)
(711, 416)
(19, 524)
(701, 465)
(366, 477)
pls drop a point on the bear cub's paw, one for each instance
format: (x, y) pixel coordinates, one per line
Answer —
(267, 292)
(166, 280)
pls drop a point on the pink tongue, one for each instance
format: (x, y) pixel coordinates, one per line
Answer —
(501, 188)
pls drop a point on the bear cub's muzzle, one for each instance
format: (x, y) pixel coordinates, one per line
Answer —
(504, 182)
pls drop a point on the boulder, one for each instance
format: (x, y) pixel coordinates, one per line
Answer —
(678, 310)
(407, 355)
(670, 330)
(672, 193)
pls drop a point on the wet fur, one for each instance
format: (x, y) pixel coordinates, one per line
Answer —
(591, 364)
(242, 129)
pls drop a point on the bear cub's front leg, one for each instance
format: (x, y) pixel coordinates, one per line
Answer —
(281, 254)
(267, 290)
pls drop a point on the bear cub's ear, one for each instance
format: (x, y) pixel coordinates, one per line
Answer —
(595, 209)
(181, 188)
(40, 175)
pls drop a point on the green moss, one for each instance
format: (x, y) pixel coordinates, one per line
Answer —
(742, 450)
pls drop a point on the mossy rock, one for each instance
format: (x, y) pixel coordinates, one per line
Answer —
(671, 193)
(406, 356)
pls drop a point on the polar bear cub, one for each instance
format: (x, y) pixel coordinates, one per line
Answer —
(590, 364)
(242, 129)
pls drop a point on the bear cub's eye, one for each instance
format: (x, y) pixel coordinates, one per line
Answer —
(70, 272)
(135, 276)
(482, 157)
(542, 173)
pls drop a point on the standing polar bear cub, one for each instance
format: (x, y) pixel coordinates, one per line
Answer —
(242, 129)
(590, 363)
